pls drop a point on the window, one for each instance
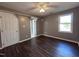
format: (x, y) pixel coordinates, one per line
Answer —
(65, 23)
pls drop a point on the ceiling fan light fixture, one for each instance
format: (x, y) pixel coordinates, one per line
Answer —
(42, 10)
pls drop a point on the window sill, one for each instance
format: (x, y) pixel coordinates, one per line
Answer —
(64, 32)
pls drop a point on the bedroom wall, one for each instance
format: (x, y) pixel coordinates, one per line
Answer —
(51, 25)
(24, 27)
(40, 23)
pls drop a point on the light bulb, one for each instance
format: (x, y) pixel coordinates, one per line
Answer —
(42, 10)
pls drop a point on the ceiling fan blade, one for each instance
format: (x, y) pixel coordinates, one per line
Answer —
(30, 8)
(54, 6)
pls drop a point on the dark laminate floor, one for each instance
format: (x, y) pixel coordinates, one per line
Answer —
(42, 47)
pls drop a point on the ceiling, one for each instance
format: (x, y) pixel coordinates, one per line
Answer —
(24, 7)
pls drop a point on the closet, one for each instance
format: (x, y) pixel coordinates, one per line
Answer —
(9, 29)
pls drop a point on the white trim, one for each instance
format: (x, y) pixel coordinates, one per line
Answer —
(61, 39)
(71, 13)
(20, 41)
(14, 12)
(33, 26)
(28, 38)
(47, 36)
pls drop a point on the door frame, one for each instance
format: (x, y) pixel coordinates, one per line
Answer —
(33, 19)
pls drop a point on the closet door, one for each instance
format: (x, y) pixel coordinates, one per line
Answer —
(10, 29)
(2, 29)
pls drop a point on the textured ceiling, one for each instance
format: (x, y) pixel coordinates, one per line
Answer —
(24, 6)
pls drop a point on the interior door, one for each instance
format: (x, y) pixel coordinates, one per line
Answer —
(9, 29)
(33, 27)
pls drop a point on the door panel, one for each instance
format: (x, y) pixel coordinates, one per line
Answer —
(3, 32)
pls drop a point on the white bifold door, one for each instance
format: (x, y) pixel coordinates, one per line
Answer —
(9, 29)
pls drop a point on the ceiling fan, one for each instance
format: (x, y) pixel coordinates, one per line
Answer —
(42, 6)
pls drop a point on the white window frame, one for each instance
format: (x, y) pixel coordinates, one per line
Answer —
(71, 23)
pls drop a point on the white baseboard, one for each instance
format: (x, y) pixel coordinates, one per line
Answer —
(29, 38)
(47, 36)
(20, 41)
(61, 38)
